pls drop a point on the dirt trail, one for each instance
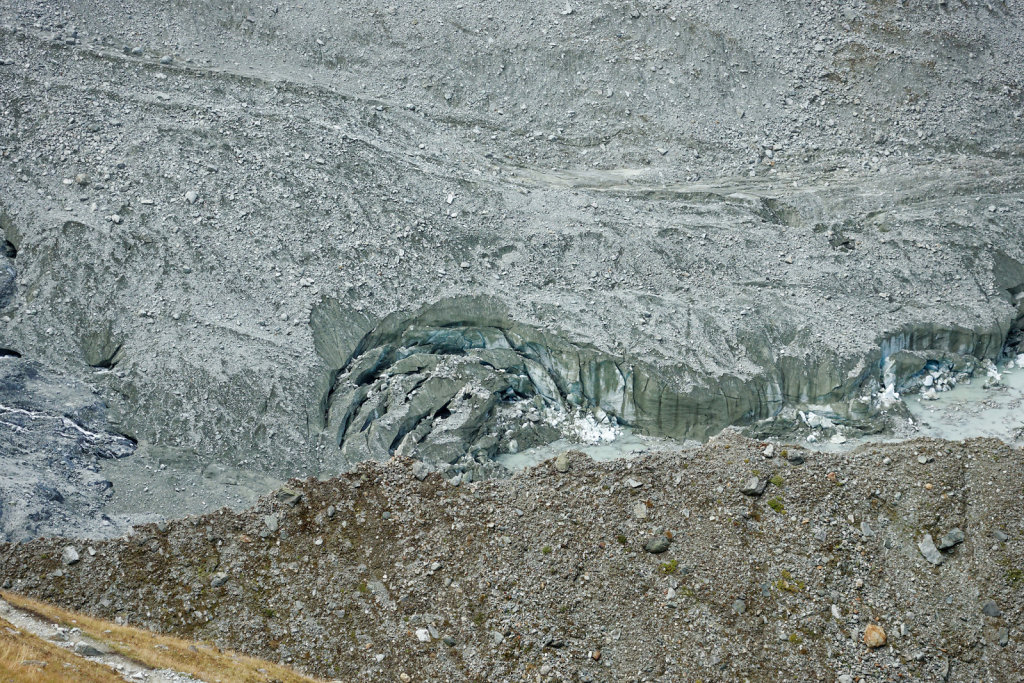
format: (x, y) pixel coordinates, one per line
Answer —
(87, 648)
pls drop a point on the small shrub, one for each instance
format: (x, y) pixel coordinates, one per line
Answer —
(621, 538)
(546, 550)
(670, 567)
(788, 584)
(1015, 577)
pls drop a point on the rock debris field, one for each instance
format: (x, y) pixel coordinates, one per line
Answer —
(383, 250)
(890, 563)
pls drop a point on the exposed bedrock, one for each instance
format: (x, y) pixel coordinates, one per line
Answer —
(461, 381)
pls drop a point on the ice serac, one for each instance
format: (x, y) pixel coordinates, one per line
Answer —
(460, 381)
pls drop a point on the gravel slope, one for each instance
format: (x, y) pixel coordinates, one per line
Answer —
(378, 573)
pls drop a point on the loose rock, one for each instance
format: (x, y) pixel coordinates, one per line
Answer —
(990, 609)
(874, 636)
(930, 552)
(754, 486)
(562, 463)
(952, 538)
(658, 544)
(69, 555)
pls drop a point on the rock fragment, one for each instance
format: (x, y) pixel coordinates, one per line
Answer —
(658, 544)
(991, 609)
(754, 486)
(874, 636)
(69, 555)
(420, 470)
(83, 649)
(288, 497)
(930, 552)
(953, 537)
(562, 463)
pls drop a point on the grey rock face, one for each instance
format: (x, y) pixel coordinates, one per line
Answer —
(8, 280)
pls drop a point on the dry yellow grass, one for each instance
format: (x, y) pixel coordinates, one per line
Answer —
(22, 655)
(165, 652)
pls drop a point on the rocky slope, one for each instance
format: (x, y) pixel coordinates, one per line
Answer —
(723, 563)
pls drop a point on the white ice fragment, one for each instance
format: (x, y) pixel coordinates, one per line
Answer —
(889, 397)
(993, 372)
